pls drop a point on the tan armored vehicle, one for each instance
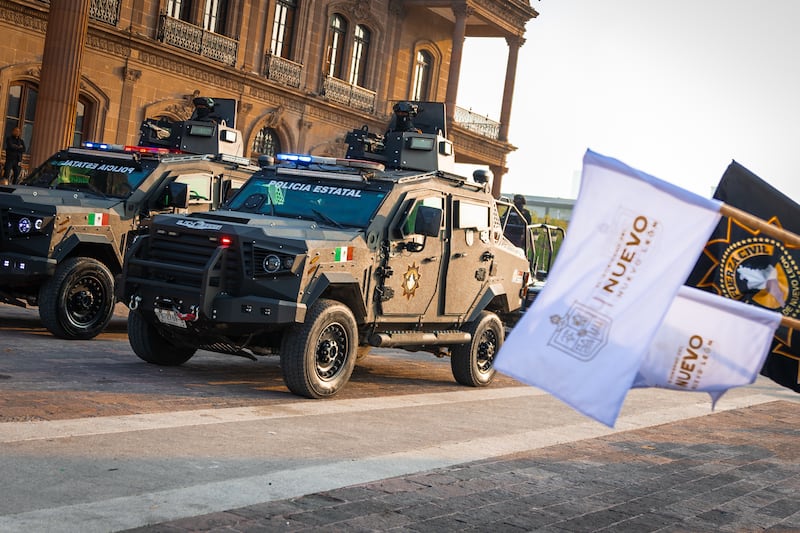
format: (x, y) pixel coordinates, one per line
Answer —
(319, 259)
(65, 228)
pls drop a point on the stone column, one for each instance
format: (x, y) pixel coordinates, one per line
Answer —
(498, 171)
(461, 12)
(54, 123)
(124, 125)
(514, 43)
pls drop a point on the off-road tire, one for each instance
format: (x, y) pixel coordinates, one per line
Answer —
(473, 363)
(318, 356)
(78, 301)
(151, 346)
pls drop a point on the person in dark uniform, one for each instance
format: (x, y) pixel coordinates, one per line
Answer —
(519, 202)
(204, 110)
(15, 147)
(515, 226)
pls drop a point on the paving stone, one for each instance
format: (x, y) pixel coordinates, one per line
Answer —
(737, 471)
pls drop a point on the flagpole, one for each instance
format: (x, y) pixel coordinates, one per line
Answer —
(789, 322)
(762, 225)
(765, 227)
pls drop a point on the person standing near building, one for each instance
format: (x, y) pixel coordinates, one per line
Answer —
(519, 202)
(15, 147)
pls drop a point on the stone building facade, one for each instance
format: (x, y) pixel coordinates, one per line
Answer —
(303, 72)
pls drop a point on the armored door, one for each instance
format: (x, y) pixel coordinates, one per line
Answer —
(470, 257)
(413, 264)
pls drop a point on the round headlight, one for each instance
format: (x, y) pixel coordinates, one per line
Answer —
(288, 262)
(38, 224)
(272, 263)
(24, 225)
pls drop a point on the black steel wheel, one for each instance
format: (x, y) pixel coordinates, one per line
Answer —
(473, 363)
(78, 301)
(150, 345)
(318, 356)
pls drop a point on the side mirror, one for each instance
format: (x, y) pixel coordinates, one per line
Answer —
(176, 195)
(429, 221)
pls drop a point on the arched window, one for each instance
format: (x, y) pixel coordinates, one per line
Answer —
(179, 9)
(358, 62)
(214, 15)
(21, 109)
(336, 40)
(83, 115)
(266, 142)
(283, 28)
(422, 76)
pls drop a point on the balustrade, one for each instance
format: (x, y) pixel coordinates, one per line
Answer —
(197, 40)
(341, 92)
(281, 70)
(477, 123)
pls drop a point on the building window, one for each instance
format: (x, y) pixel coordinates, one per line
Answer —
(422, 76)
(358, 62)
(283, 28)
(336, 39)
(266, 142)
(83, 117)
(21, 109)
(214, 16)
(179, 9)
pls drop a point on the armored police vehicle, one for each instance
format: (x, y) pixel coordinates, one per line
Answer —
(318, 259)
(65, 227)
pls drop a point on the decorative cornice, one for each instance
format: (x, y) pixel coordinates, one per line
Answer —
(184, 69)
(16, 17)
(103, 44)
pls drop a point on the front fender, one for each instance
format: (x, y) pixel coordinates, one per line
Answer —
(494, 290)
(341, 286)
(99, 246)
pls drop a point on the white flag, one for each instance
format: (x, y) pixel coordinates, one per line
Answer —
(708, 343)
(632, 241)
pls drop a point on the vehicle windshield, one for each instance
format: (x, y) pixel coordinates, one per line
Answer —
(328, 202)
(108, 177)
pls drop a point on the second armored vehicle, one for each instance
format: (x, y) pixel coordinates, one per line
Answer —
(64, 229)
(319, 259)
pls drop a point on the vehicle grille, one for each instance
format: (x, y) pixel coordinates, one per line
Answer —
(192, 260)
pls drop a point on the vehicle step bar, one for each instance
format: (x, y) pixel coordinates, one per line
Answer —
(419, 338)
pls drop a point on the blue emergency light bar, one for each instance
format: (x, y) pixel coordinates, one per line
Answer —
(295, 158)
(128, 148)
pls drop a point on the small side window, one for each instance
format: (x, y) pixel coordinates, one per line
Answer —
(408, 227)
(472, 216)
(199, 188)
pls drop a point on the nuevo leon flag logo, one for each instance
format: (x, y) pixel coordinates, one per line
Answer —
(97, 219)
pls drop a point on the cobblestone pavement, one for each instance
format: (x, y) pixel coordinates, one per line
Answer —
(734, 471)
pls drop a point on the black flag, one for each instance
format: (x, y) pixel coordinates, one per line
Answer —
(742, 263)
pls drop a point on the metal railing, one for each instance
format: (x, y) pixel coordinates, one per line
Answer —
(103, 10)
(341, 92)
(478, 123)
(281, 70)
(195, 39)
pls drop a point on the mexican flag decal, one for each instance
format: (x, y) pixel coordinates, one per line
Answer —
(97, 219)
(342, 254)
